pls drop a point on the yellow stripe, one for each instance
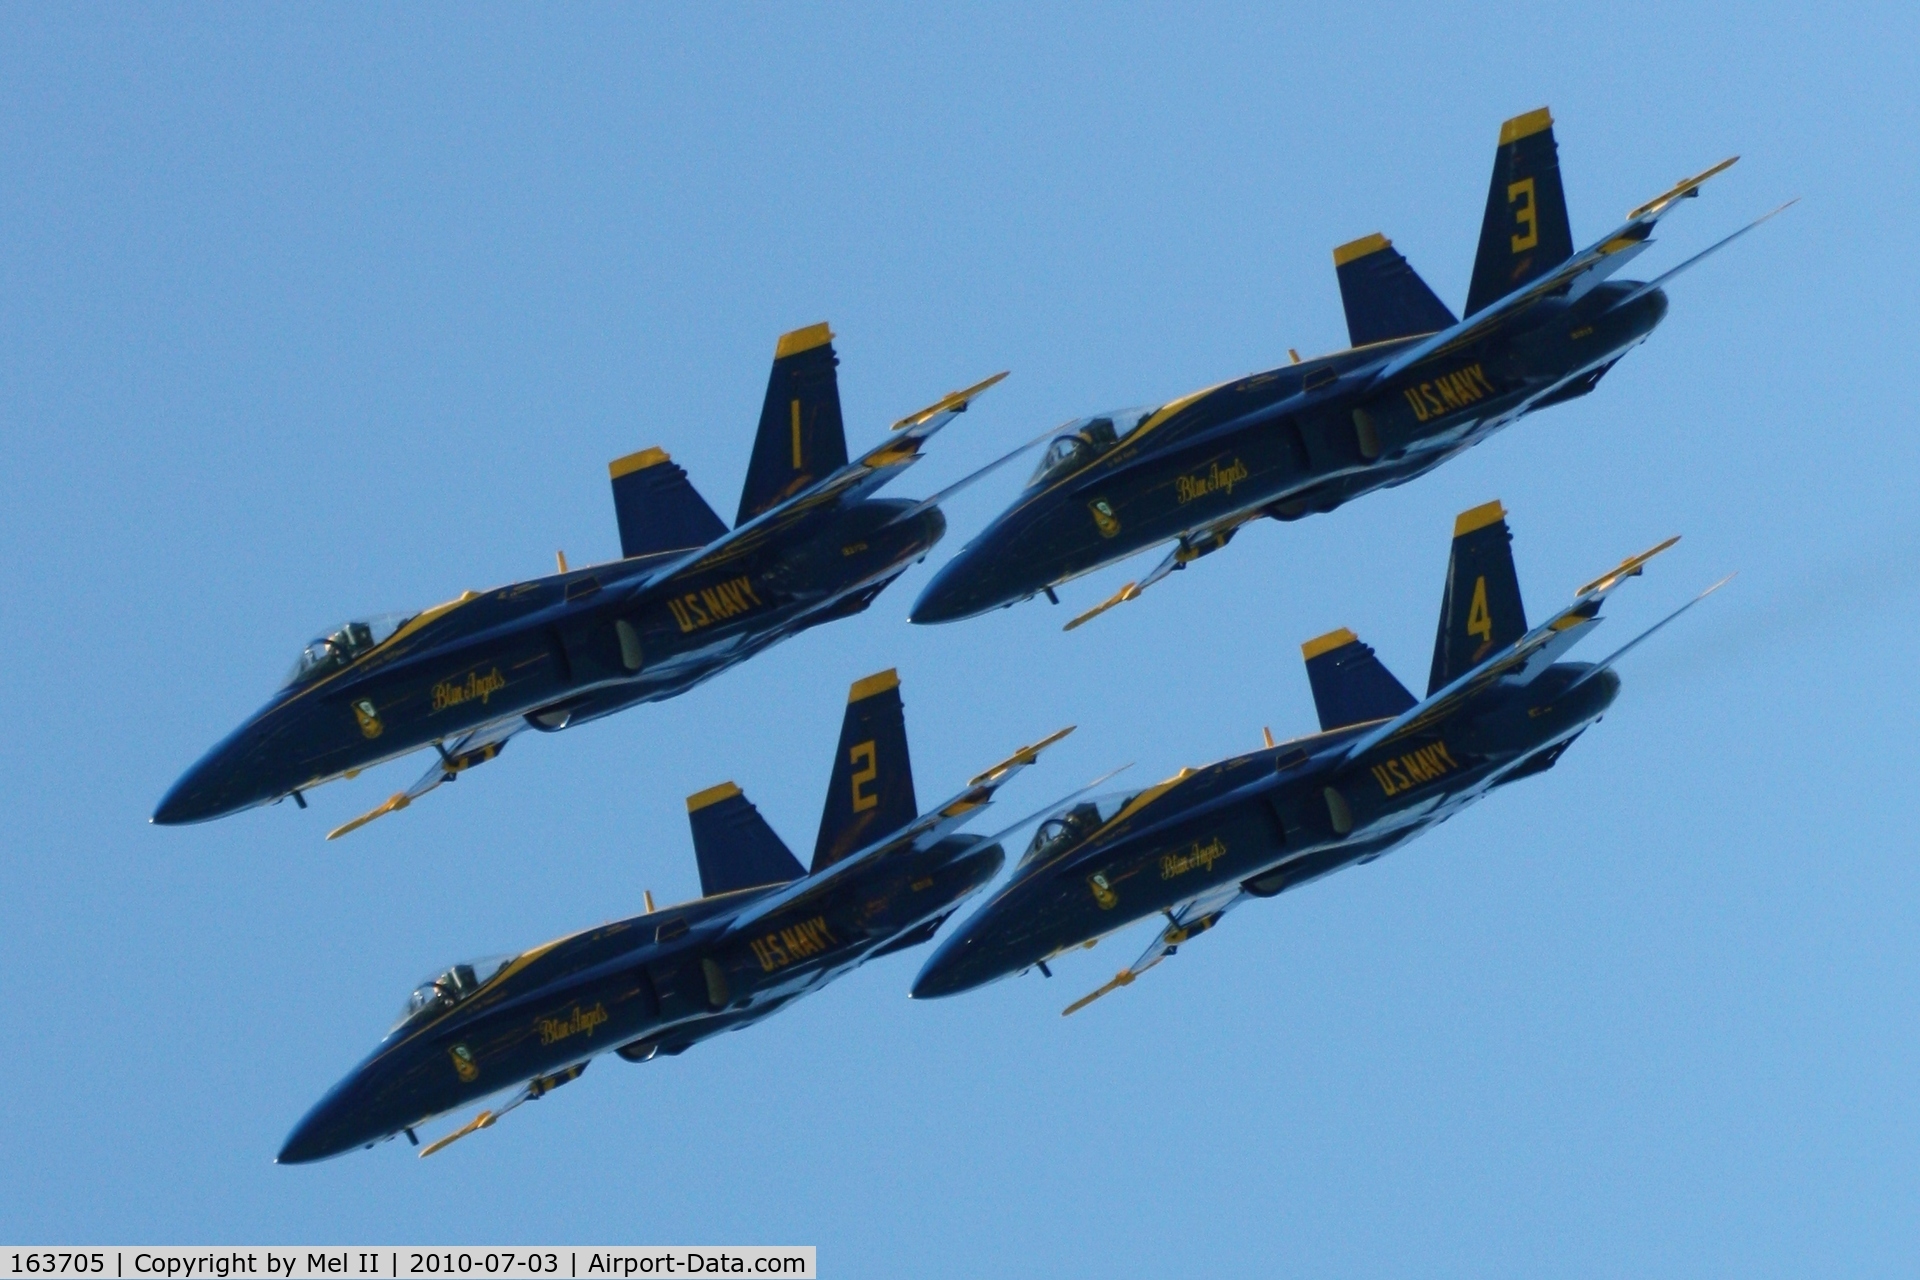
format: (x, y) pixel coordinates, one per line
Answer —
(1679, 189)
(637, 462)
(1360, 248)
(952, 400)
(879, 682)
(792, 344)
(712, 795)
(1525, 126)
(1327, 643)
(1478, 518)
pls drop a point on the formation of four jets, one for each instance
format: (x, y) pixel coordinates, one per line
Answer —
(811, 543)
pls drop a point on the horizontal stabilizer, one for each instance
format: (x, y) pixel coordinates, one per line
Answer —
(870, 795)
(733, 844)
(1572, 278)
(1350, 685)
(1384, 297)
(658, 507)
(1516, 664)
(802, 438)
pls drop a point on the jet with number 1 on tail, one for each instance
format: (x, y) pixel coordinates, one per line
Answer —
(687, 600)
(1500, 706)
(765, 932)
(1544, 323)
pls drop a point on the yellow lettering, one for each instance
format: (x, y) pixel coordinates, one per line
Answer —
(1393, 767)
(1525, 215)
(746, 589)
(699, 615)
(1386, 782)
(1441, 748)
(1413, 398)
(1433, 401)
(1449, 392)
(863, 800)
(1479, 619)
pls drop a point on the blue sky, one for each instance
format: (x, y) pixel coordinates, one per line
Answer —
(305, 315)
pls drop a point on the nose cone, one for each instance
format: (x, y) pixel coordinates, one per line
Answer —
(338, 1123)
(250, 766)
(210, 789)
(969, 959)
(970, 583)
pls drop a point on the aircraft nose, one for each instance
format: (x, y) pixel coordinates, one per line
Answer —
(337, 1123)
(963, 587)
(961, 964)
(201, 793)
(234, 775)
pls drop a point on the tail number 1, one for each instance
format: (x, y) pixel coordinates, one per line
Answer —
(1524, 215)
(863, 800)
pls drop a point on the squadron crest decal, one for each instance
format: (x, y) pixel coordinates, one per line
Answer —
(1103, 518)
(463, 1063)
(369, 717)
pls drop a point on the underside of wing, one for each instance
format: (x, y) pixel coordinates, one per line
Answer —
(1187, 920)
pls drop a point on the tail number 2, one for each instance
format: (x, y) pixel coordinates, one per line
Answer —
(863, 800)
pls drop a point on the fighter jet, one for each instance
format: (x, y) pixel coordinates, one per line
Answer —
(687, 600)
(884, 878)
(1543, 325)
(1500, 706)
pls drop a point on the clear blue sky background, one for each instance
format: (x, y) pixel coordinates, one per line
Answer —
(304, 315)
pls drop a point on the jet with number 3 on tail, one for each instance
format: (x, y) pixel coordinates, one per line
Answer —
(687, 600)
(765, 932)
(1500, 706)
(1543, 324)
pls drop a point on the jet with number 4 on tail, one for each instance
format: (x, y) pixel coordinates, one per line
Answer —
(1500, 706)
(884, 877)
(1543, 324)
(687, 600)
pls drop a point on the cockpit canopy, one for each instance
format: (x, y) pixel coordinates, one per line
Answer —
(451, 987)
(1070, 824)
(1083, 440)
(338, 646)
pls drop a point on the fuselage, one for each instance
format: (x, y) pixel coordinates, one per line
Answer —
(1285, 443)
(655, 983)
(558, 650)
(1262, 823)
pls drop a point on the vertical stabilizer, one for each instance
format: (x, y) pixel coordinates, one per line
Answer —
(657, 506)
(1350, 685)
(1525, 232)
(1384, 297)
(733, 844)
(802, 438)
(871, 794)
(1480, 611)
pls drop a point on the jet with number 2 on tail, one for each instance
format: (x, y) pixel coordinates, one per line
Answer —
(687, 600)
(1543, 325)
(884, 878)
(1500, 706)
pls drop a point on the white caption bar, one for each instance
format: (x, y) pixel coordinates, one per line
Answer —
(310, 1262)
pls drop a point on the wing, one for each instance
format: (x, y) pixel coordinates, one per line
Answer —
(847, 485)
(1519, 662)
(922, 833)
(1577, 275)
(477, 746)
(1188, 548)
(1194, 916)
